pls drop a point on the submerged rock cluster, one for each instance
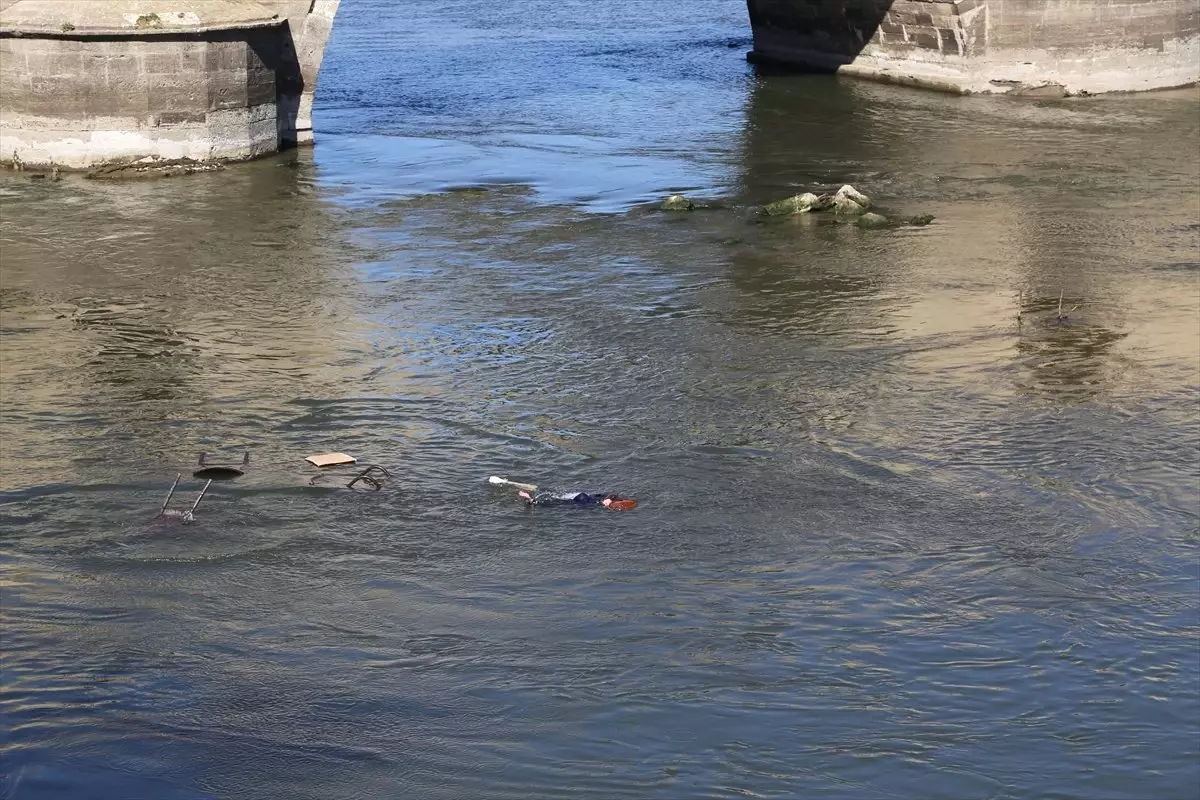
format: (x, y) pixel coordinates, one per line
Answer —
(847, 204)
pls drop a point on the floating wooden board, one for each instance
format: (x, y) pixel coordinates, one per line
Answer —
(330, 459)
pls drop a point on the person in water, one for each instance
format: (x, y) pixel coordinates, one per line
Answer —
(553, 497)
(537, 496)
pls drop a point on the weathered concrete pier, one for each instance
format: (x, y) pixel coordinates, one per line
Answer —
(1048, 47)
(90, 82)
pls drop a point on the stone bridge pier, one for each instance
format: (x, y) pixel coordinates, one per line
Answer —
(308, 25)
(94, 82)
(1033, 47)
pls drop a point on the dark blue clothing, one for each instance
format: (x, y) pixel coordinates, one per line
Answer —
(554, 497)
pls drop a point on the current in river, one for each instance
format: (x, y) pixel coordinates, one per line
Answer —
(902, 532)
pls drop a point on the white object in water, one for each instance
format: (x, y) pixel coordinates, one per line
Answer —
(498, 481)
(330, 459)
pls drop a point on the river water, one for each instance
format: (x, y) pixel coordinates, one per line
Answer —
(893, 541)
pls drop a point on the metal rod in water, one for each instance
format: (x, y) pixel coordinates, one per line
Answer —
(167, 502)
(201, 497)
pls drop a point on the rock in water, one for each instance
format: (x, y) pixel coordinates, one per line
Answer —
(850, 201)
(921, 219)
(797, 204)
(781, 208)
(677, 202)
(870, 220)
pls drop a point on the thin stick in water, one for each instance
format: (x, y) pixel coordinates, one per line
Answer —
(167, 502)
(201, 497)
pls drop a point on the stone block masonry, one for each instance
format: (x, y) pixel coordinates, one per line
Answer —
(77, 106)
(309, 24)
(994, 46)
(87, 83)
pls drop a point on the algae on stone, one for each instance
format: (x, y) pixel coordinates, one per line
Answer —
(153, 167)
(469, 190)
(872, 220)
(797, 204)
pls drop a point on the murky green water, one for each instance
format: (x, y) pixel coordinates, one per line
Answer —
(893, 541)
